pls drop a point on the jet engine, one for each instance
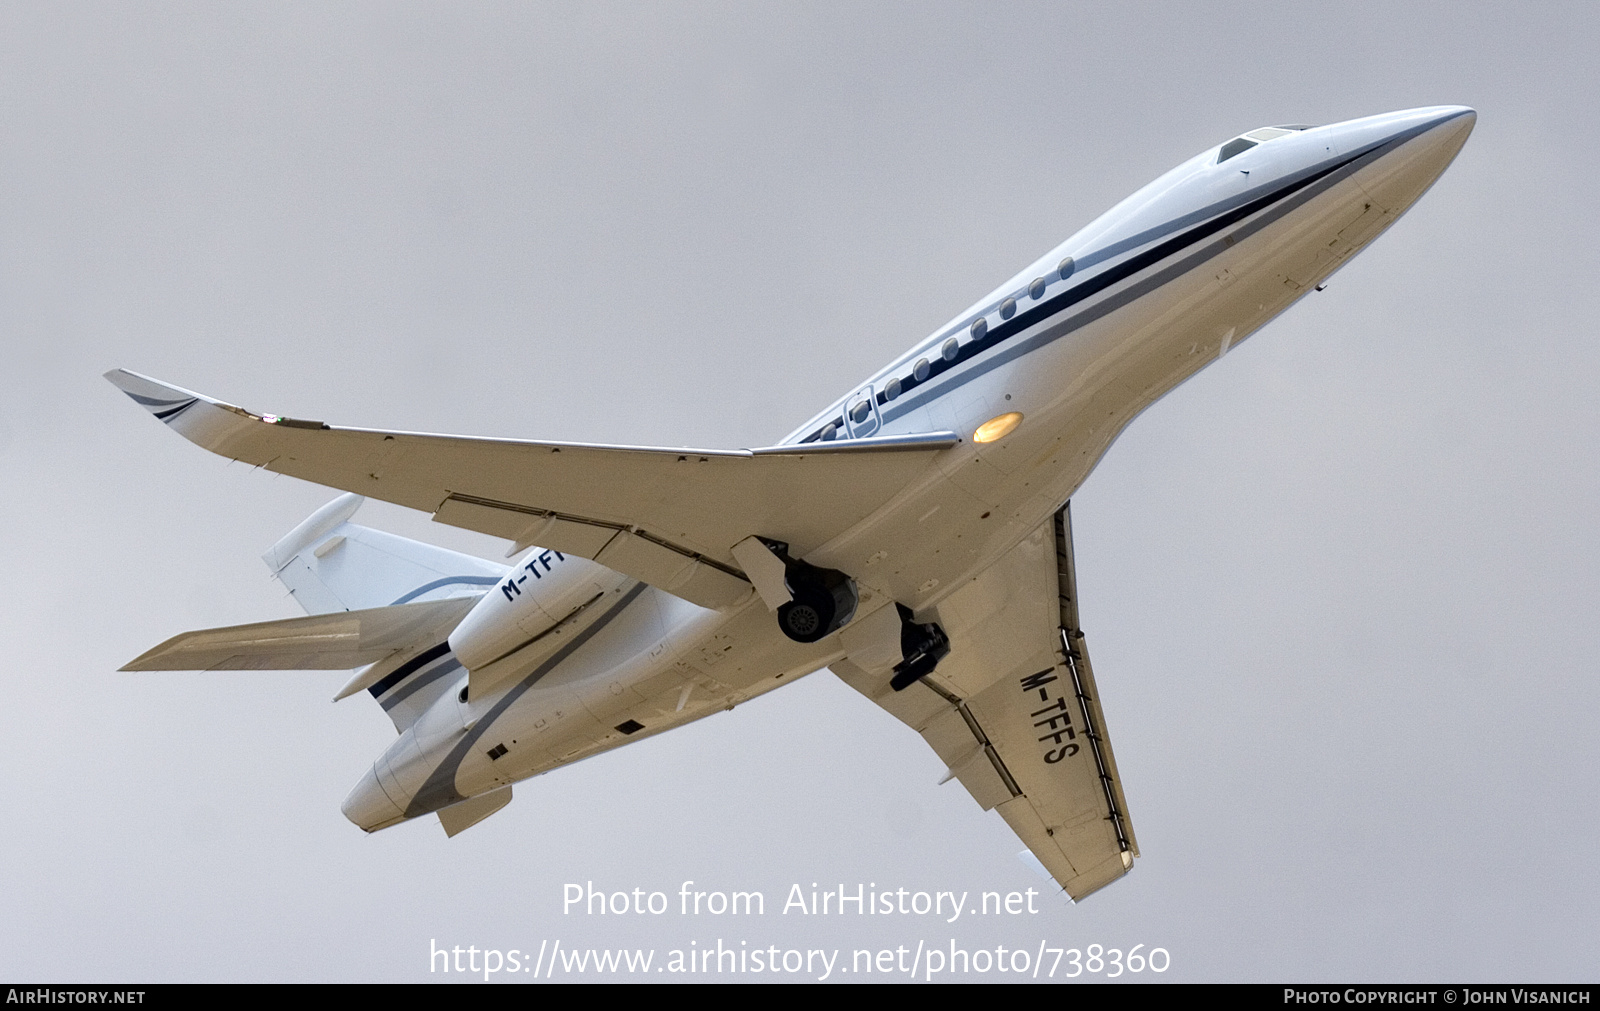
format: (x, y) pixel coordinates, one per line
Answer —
(545, 591)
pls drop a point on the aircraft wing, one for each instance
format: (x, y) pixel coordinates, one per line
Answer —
(667, 517)
(1014, 712)
(339, 640)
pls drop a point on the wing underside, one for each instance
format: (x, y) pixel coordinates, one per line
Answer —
(668, 517)
(1015, 715)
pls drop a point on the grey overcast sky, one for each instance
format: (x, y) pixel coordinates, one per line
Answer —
(1340, 590)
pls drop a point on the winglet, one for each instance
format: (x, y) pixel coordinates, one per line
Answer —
(210, 424)
(163, 401)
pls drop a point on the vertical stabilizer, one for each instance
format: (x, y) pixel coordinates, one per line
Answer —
(331, 564)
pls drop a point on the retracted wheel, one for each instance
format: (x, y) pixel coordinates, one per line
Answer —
(809, 616)
(821, 601)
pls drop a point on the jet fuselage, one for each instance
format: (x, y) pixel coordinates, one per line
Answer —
(569, 659)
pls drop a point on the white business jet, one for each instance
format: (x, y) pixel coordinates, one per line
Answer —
(912, 536)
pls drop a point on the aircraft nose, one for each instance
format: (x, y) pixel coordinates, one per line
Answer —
(1451, 127)
(1431, 151)
(369, 806)
(1417, 147)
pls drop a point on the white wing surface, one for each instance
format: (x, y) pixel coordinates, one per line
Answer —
(1014, 712)
(668, 517)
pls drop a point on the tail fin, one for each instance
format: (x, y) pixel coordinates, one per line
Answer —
(331, 564)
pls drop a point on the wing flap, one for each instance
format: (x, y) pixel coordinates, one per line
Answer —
(573, 497)
(1077, 881)
(336, 641)
(526, 525)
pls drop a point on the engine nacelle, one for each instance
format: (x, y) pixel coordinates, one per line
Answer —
(545, 589)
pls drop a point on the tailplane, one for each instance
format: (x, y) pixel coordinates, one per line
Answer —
(375, 601)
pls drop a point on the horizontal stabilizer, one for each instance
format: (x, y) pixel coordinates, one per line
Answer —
(668, 517)
(336, 641)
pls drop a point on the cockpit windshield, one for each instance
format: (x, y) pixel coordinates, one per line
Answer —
(1239, 145)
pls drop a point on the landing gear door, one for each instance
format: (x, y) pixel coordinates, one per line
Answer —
(861, 413)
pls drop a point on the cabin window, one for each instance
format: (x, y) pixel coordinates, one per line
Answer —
(1067, 267)
(892, 390)
(920, 371)
(859, 412)
(1008, 308)
(1036, 289)
(951, 348)
(980, 326)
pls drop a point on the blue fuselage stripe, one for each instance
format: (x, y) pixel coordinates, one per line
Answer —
(448, 581)
(1305, 191)
(408, 668)
(1215, 218)
(440, 788)
(1002, 333)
